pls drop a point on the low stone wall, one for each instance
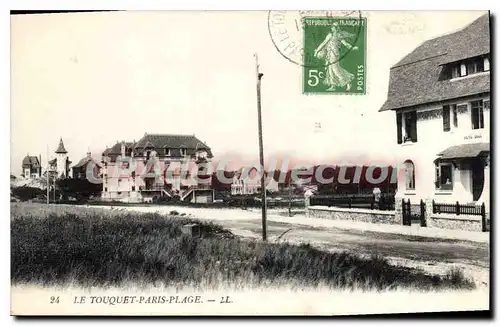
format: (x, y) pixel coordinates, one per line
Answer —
(122, 196)
(455, 222)
(354, 214)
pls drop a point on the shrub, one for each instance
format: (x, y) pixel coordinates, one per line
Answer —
(25, 193)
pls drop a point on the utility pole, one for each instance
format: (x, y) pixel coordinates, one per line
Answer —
(261, 151)
(54, 190)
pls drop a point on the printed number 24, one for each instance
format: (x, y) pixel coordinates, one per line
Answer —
(54, 299)
(314, 77)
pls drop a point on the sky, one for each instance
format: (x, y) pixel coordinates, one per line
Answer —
(98, 78)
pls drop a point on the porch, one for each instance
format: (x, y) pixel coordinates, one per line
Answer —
(462, 174)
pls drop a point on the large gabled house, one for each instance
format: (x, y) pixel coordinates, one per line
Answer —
(440, 96)
(155, 166)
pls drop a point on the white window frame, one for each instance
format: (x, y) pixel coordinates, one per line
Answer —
(453, 114)
(167, 151)
(453, 107)
(469, 105)
(406, 163)
(406, 133)
(183, 151)
(440, 166)
(403, 127)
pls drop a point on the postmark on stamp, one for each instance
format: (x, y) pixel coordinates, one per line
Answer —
(334, 55)
(286, 30)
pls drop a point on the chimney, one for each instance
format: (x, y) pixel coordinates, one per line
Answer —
(40, 165)
(123, 148)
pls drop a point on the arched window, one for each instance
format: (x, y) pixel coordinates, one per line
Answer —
(409, 175)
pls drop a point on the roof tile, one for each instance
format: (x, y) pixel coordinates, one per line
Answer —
(416, 80)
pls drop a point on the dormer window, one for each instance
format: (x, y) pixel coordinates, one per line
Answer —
(466, 67)
(167, 151)
(183, 152)
(201, 154)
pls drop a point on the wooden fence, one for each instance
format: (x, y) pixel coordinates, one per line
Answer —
(354, 201)
(459, 209)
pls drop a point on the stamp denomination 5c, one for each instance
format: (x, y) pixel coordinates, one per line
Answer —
(334, 55)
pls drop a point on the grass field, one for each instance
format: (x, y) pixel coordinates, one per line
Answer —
(60, 245)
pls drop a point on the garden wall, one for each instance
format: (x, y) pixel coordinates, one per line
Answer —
(354, 214)
(454, 222)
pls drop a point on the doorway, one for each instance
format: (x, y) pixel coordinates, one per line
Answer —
(149, 182)
(477, 168)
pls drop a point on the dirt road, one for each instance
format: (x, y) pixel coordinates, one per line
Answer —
(431, 254)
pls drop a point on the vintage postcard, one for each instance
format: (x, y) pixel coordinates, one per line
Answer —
(305, 163)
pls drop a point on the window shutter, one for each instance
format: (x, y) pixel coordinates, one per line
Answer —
(481, 116)
(486, 64)
(399, 126)
(455, 116)
(413, 126)
(446, 118)
(437, 183)
(463, 70)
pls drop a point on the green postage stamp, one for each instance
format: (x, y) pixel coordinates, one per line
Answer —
(334, 55)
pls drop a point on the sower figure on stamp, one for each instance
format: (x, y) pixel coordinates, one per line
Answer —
(329, 50)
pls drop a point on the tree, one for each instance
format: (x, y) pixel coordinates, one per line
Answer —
(81, 189)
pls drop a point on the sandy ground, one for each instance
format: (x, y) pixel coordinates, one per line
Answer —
(435, 255)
